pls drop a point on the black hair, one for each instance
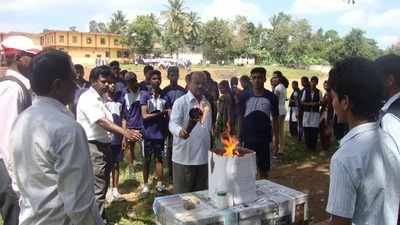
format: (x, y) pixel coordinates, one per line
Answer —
(114, 64)
(78, 67)
(389, 65)
(208, 75)
(246, 80)
(48, 66)
(295, 82)
(234, 80)
(147, 68)
(172, 69)
(95, 73)
(259, 70)
(154, 72)
(282, 79)
(314, 78)
(123, 72)
(306, 80)
(357, 78)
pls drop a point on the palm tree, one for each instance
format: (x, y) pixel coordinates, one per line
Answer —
(192, 30)
(118, 23)
(176, 17)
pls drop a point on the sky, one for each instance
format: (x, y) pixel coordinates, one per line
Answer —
(379, 18)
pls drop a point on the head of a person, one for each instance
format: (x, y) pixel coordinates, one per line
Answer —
(173, 74)
(234, 82)
(131, 81)
(187, 79)
(100, 77)
(356, 89)
(146, 71)
(53, 75)
(295, 85)
(258, 77)
(197, 83)
(326, 85)
(155, 79)
(115, 68)
(111, 90)
(388, 66)
(276, 78)
(208, 76)
(314, 82)
(223, 87)
(123, 73)
(18, 52)
(305, 82)
(80, 71)
(245, 82)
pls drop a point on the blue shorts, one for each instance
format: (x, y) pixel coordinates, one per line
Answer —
(116, 154)
(153, 147)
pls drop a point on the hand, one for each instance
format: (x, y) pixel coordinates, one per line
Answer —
(183, 134)
(133, 135)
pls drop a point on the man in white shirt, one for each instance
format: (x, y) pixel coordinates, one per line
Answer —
(14, 98)
(190, 150)
(389, 68)
(50, 154)
(97, 122)
(364, 172)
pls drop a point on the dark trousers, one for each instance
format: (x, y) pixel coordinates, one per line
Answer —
(294, 129)
(101, 157)
(189, 178)
(169, 155)
(311, 137)
(8, 198)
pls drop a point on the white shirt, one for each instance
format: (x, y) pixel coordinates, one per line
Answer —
(310, 119)
(389, 122)
(194, 150)
(11, 100)
(51, 163)
(91, 107)
(365, 176)
(280, 91)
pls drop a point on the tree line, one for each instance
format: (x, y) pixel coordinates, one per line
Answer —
(288, 41)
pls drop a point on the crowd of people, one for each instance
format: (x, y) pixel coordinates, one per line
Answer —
(61, 151)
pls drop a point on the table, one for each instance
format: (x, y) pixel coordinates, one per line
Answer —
(275, 204)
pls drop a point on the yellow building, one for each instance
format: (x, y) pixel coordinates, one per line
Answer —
(87, 48)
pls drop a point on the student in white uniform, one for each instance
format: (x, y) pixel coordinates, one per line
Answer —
(310, 101)
(281, 84)
(364, 171)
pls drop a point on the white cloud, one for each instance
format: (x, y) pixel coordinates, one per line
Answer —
(307, 7)
(385, 41)
(371, 19)
(228, 9)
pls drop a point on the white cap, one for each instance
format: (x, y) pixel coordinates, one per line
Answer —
(20, 43)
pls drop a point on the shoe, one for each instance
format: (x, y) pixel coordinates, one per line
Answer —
(109, 196)
(145, 191)
(160, 187)
(116, 196)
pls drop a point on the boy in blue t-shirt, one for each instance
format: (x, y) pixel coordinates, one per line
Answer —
(117, 154)
(155, 127)
(170, 93)
(259, 106)
(131, 114)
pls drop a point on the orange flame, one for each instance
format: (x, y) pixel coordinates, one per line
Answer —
(230, 142)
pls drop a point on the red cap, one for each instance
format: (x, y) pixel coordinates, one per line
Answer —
(20, 43)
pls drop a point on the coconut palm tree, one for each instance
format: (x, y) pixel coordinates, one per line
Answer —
(192, 31)
(118, 23)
